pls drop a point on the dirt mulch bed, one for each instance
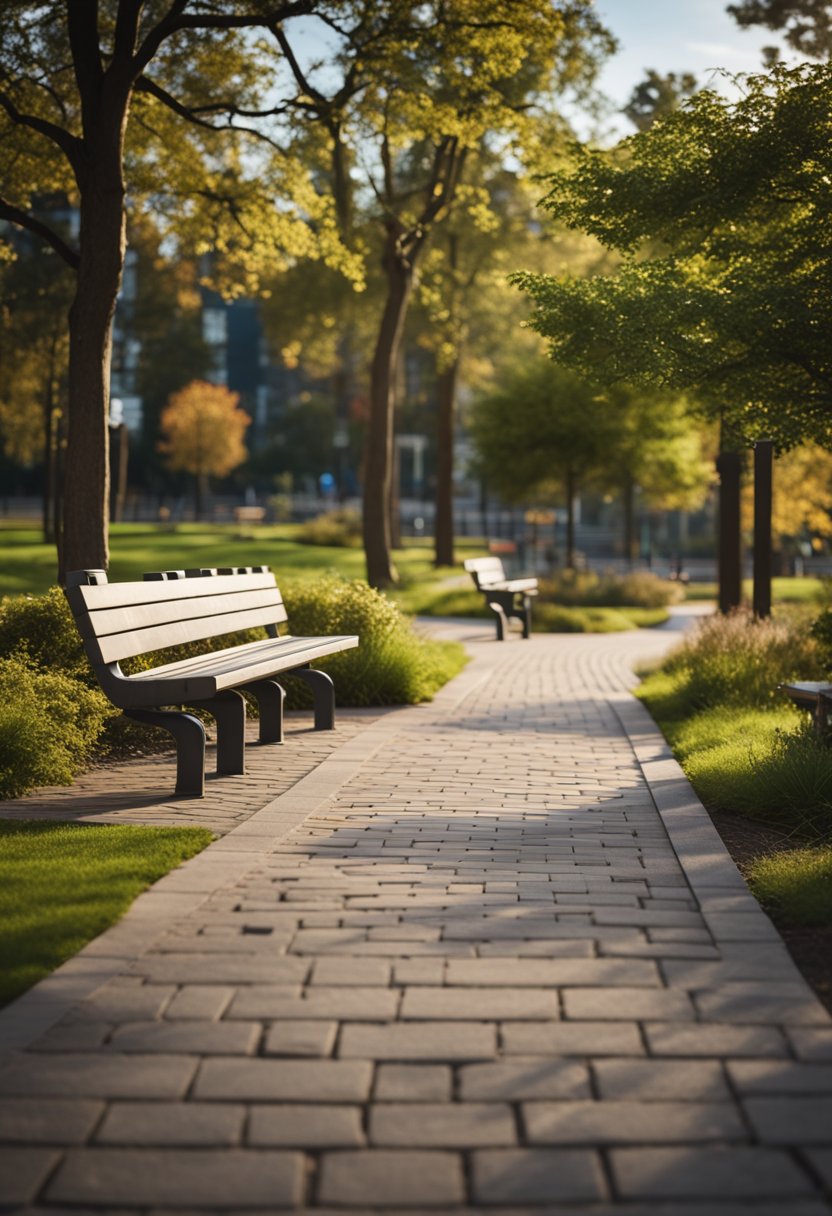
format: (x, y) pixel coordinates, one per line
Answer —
(811, 949)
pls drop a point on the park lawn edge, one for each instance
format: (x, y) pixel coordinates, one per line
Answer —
(63, 884)
(789, 882)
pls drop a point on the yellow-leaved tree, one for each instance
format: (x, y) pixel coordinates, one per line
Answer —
(802, 500)
(204, 433)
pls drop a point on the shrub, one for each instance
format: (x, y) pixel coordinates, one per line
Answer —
(640, 589)
(391, 666)
(49, 723)
(43, 627)
(821, 631)
(736, 659)
(338, 529)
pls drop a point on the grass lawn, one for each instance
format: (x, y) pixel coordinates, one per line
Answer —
(783, 590)
(795, 886)
(28, 565)
(764, 764)
(63, 884)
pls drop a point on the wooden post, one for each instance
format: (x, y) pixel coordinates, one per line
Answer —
(730, 550)
(763, 462)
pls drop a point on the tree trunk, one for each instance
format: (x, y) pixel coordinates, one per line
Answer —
(444, 528)
(570, 520)
(49, 442)
(200, 494)
(379, 450)
(730, 544)
(629, 503)
(102, 245)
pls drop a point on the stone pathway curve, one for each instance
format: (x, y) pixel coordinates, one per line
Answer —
(487, 956)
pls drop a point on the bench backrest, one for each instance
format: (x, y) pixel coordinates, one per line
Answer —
(119, 620)
(485, 570)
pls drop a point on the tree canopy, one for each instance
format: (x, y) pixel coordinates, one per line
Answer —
(720, 211)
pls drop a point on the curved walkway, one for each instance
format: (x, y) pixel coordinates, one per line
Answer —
(489, 955)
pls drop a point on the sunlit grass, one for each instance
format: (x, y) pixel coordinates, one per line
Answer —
(795, 885)
(63, 884)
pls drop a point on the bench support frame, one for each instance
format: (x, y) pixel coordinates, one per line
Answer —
(189, 734)
(509, 605)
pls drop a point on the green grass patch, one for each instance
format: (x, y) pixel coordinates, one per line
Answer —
(63, 884)
(557, 618)
(795, 886)
(783, 590)
(763, 762)
(28, 565)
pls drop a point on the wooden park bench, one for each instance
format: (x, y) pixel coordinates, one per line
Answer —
(122, 620)
(816, 697)
(249, 515)
(508, 598)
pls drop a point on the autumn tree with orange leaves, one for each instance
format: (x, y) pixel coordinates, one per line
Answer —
(204, 434)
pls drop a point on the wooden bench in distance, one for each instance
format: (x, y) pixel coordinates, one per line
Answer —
(122, 620)
(816, 697)
(506, 597)
(249, 515)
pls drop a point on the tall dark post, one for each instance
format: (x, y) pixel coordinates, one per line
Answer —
(763, 461)
(730, 550)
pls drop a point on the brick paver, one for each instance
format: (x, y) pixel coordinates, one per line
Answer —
(482, 956)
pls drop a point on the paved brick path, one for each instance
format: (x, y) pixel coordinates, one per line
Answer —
(487, 956)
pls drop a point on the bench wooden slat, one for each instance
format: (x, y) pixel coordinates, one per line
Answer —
(142, 641)
(103, 622)
(120, 595)
(288, 648)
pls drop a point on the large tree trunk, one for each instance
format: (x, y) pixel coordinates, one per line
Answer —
(629, 502)
(444, 528)
(102, 244)
(379, 451)
(570, 519)
(728, 466)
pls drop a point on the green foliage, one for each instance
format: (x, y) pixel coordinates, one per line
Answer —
(63, 884)
(557, 618)
(795, 885)
(737, 660)
(741, 744)
(821, 631)
(49, 723)
(339, 529)
(639, 589)
(43, 627)
(720, 210)
(391, 666)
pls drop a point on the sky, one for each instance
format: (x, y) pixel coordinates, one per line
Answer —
(671, 36)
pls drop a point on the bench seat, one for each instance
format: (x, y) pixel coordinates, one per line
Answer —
(203, 676)
(177, 607)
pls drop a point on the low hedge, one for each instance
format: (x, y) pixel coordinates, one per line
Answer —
(50, 723)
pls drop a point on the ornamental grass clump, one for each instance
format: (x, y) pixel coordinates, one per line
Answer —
(392, 664)
(585, 588)
(739, 660)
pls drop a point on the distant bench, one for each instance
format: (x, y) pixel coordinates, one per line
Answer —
(816, 697)
(508, 598)
(249, 515)
(122, 620)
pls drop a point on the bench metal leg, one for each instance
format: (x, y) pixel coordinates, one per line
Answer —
(500, 618)
(525, 614)
(270, 697)
(229, 709)
(189, 734)
(323, 696)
